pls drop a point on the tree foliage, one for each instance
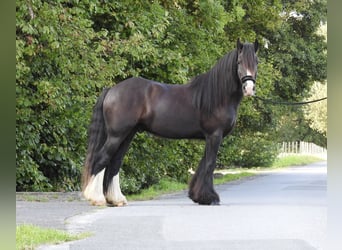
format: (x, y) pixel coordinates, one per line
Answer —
(316, 113)
(69, 50)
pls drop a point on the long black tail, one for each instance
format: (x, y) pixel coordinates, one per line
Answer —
(97, 136)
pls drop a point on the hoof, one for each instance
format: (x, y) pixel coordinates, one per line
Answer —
(215, 203)
(120, 203)
(191, 196)
(117, 204)
(98, 203)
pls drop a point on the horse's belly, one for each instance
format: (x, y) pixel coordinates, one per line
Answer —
(176, 126)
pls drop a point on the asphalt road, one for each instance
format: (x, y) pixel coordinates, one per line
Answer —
(277, 210)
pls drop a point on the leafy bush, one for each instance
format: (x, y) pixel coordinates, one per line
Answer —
(247, 150)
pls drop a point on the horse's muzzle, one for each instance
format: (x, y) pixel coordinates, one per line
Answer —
(248, 85)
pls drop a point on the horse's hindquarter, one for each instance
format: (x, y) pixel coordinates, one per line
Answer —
(124, 105)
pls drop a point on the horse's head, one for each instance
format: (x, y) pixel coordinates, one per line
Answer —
(247, 62)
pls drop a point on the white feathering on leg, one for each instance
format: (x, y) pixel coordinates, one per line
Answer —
(114, 195)
(94, 191)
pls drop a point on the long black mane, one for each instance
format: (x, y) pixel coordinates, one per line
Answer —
(211, 89)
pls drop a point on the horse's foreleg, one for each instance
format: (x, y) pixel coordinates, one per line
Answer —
(195, 183)
(111, 183)
(201, 188)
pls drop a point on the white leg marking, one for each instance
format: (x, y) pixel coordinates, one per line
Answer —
(93, 192)
(114, 195)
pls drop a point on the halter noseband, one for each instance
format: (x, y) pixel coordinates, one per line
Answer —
(247, 78)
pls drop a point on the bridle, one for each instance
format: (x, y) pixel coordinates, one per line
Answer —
(247, 78)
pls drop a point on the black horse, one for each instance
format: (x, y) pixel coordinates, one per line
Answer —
(205, 108)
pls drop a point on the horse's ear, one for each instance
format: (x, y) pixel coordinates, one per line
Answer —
(256, 45)
(239, 45)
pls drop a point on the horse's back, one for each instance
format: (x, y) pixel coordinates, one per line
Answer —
(159, 108)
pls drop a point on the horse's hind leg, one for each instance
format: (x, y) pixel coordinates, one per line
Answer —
(93, 191)
(102, 159)
(111, 183)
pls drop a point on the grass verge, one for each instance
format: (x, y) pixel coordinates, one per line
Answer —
(166, 186)
(30, 236)
(232, 177)
(295, 160)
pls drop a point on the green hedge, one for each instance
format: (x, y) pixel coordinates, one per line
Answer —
(247, 150)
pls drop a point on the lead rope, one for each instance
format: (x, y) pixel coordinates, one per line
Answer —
(289, 103)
